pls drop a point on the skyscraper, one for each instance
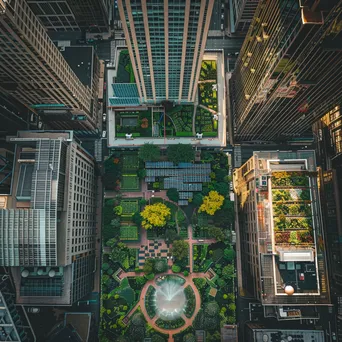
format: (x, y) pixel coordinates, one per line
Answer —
(287, 72)
(166, 42)
(73, 15)
(48, 226)
(241, 13)
(280, 231)
(35, 73)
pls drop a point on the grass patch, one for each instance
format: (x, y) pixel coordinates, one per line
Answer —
(130, 162)
(130, 183)
(129, 207)
(129, 233)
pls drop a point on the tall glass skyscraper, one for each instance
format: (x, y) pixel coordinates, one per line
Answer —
(166, 41)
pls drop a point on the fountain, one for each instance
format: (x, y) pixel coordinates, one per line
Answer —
(170, 299)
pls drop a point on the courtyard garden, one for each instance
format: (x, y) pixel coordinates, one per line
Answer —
(148, 289)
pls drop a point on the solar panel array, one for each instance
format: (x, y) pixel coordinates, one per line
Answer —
(185, 177)
(186, 195)
(180, 186)
(183, 202)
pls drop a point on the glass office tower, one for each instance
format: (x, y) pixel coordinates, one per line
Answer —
(166, 41)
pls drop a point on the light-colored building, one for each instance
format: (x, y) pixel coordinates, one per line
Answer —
(35, 73)
(48, 227)
(166, 42)
(259, 333)
(280, 231)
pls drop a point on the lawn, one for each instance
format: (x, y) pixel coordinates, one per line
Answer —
(130, 183)
(129, 233)
(129, 207)
(130, 162)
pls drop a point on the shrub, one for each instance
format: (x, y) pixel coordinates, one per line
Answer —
(110, 271)
(225, 296)
(186, 273)
(150, 276)
(105, 266)
(176, 269)
(173, 194)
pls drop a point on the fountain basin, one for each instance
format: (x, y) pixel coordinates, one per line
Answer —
(170, 298)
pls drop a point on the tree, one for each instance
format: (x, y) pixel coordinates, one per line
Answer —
(137, 219)
(199, 282)
(180, 153)
(232, 307)
(105, 266)
(180, 249)
(148, 266)
(140, 280)
(159, 266)
(215, 337)
(173, 194)
(222, 188)
(149, 152)
(198, 199)
(176, 269)
(155, 215)
(228, 272)
(225, 216)
(189, 338)
(211, 203)
(158, 338)
(212, 309)
(185, 273)
(229, 253)
(216, 233)
(170, 234)
(221, 283)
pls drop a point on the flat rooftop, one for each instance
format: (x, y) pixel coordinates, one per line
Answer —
(151, 123)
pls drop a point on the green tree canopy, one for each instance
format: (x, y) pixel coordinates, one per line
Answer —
(198, 199)
(228, 272)
(180, 153)
(149, 152)
(173, 194)
(148, 266)
(216, 233)
(229, 253)
(180, 249)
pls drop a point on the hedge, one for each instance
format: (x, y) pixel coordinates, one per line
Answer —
(209, 134)
(124, 135)
(184, 134)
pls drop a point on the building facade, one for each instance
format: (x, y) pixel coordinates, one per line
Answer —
(13, 323)
(260, 333)
(166, 42)
(48, 226)
(73, 15)
(280, 230)
(34, 72)
(285, 76)
(241, 13)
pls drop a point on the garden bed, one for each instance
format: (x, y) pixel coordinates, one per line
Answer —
(150, 304)
(125, 72)
(140, 125)
(190, 301)
(129, 233)
(169, 325)
(129, 207)
(204, 122)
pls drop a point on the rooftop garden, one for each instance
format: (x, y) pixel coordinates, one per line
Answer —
(292, 208)
(207, 87)
(125, 72)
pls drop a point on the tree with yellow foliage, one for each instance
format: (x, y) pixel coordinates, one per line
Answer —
(211, 203)
(155, 215)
